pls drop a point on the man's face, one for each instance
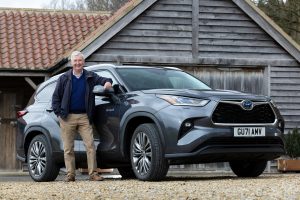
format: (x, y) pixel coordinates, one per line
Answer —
(78, 63)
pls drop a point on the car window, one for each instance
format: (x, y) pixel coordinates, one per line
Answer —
(45, 94)
(153, 78)
(107, 74)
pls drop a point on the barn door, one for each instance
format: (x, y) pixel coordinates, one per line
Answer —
(8, 131)
(250, 80)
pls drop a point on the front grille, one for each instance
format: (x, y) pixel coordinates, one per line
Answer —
(229, 113)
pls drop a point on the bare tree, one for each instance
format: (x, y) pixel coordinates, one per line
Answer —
(286, 13)
(92, 5)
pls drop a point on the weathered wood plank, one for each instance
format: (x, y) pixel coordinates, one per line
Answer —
(250, 57)
(286, 69)
(230, 29)
(286, 99)
(164, 20)
(168, 27)
(289, 118)
(224, 16)
(241, 49)
(134, 53)
(172, 7)
(231, 10)
(157, 33)
(220, 3)
(293, 112)
(170, 14)
(238, 36)
(148, 46)
(287, 106)
(152, 39)
(286, 80)
(287, 87)
(284, 74)
(176, 2)
(284, 93)
(210, 22)
(231, 42)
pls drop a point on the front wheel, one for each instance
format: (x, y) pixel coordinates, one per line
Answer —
(147, 155)
(39, 159)
(248, 168)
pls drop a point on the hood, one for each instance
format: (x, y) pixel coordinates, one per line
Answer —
(207, 94)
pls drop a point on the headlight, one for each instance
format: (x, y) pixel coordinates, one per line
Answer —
(183, 101)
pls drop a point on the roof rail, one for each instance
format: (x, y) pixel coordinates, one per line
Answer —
(175, 68)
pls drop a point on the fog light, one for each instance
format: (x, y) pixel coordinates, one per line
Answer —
(188, 124)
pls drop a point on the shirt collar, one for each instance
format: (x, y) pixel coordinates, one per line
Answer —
(77, 76)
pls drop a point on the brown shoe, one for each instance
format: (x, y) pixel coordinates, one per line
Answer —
(96, 177)
(69, 178)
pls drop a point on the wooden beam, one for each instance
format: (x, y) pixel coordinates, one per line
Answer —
(30, 82)
(195, 25)
(179, 60)
(22, 74)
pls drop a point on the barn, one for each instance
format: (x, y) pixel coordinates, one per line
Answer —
(229, 44)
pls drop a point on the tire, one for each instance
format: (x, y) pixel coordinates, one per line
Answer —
(248, 168)
(126, 172)
(39, 159)
(147, 155)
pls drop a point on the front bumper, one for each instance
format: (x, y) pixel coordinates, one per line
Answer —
(209, 142)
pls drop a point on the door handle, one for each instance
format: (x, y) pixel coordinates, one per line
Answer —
(49, 110)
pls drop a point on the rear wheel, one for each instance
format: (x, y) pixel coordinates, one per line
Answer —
(248, 168)
(39, 159)
(147, 155)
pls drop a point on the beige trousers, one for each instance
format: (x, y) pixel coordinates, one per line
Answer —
(69, 128)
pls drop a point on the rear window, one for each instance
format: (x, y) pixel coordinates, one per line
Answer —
(45, 94)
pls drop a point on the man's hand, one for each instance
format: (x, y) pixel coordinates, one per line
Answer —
(107, 86)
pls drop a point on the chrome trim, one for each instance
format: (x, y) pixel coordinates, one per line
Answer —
(239, 102)
(268, 124)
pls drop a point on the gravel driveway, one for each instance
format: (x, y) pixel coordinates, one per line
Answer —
(176, 186)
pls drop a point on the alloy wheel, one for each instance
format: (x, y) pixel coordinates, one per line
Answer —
(142, 153)
(37, 158)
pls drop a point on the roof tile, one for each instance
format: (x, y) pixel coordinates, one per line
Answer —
(36, 39)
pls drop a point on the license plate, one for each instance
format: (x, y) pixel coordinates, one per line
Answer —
(249, 131)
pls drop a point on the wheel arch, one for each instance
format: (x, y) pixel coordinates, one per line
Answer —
(131, 123)
(31, 133)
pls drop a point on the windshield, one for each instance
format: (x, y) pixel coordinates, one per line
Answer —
(153, 78)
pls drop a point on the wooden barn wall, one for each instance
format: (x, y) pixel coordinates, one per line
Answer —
(175, 32)
(162, 34)
(285, 91)
(225, 31)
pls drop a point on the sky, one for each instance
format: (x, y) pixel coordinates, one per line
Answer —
(24, 3)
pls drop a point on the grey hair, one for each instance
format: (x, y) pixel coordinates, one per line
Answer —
(76, 53)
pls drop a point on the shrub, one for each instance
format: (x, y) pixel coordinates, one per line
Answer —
(292, 143)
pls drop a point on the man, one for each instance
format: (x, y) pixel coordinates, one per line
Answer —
(73, 102)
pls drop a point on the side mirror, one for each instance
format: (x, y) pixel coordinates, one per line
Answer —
(99, 90)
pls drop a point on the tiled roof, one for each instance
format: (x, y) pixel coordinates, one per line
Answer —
(36, 39)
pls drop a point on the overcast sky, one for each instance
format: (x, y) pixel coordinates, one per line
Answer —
(23, 3)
